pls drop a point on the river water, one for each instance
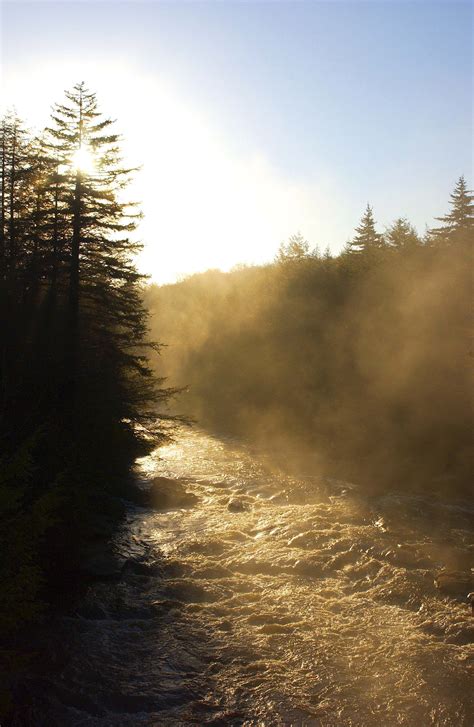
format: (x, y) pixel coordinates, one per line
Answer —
(277, 599)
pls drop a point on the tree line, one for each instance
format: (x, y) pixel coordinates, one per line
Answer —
(75, 378)
(401, 235)
(361, 362)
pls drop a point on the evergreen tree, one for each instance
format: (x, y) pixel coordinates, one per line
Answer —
(105, 316)
(74, 351)
(367, 238)
(3, 197)
(402, 235)
(36, 239)
(15, 198)
(296, 248)
(458, 224)
(15, 214)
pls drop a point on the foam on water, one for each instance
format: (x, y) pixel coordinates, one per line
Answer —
(304, 603)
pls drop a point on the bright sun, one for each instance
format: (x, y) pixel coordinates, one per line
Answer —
(83, 160)
(191, 163)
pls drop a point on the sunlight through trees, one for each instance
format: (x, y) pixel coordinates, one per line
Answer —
(74, 351)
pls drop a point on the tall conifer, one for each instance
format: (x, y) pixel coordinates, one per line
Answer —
(106, 320)
(366, 238)
(402, 235)
(458, 223)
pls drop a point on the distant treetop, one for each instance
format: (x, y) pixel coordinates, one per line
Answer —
(459, 222)
(366, 237)
(297, 248)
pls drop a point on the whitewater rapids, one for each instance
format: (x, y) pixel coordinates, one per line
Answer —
(276, 599)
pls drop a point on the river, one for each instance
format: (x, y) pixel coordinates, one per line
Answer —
(277, 599)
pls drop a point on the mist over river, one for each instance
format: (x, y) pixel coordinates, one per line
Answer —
(274, 599)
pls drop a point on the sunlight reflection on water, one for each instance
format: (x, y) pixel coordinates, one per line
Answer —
(279, 600)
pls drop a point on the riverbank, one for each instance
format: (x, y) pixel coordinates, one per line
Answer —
(54, 553)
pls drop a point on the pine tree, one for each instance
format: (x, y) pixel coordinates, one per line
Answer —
(15, 197)
(296, 248)
(56, 224)
(15, 214)
(3, 197)
(367, 238)
(74, 369)
(402, 235)
(458, 224)
(105, 315)
(87, 157)
(36, 241)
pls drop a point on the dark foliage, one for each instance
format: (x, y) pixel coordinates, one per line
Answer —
(74, 375)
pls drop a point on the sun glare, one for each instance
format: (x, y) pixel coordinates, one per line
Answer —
(83, 160)
(191, 164)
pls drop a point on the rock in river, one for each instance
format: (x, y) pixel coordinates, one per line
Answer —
(166, 494)
(239, 505)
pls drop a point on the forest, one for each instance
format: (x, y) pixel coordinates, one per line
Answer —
(361, 362)
(78, 398)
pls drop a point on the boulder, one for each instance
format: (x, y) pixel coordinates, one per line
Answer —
(166, 493)
(238, 505)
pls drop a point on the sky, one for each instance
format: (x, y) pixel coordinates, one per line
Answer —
(254, 120)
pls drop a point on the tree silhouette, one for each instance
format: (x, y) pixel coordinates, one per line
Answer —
(103, 297)
(458, 224)
(401, 235)
(296, 248)
(75, 377)
(14, 211)
(366, 238)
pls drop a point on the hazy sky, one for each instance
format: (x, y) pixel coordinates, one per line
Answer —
(255, 119)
